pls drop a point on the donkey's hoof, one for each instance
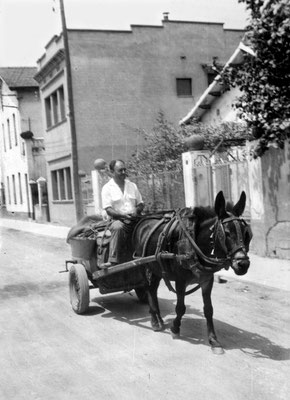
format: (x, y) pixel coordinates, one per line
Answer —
(216, 346)
(217, 350)
(157, 326)
(175, 335)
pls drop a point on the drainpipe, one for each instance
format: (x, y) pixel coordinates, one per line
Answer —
(75, 167)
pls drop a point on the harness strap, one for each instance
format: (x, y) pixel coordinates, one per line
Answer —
(153, 230)
(215, 264)
(158, 254)
(159, 245)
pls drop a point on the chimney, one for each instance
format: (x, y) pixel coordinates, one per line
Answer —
(165, 16)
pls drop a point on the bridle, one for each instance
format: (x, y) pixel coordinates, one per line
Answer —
(202, 262)
(219, 235)
(214, 264)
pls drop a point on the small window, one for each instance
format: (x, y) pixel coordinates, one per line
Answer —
(68, 183)
(9, 134)
(14, 189)
(48, 112)
(8, 190)
(23, 152)
(55, 108)
(4, 139)
(20, 188)
(61, 184)
(61, 104)
(15, 130)
(183, 87)
(54, 185)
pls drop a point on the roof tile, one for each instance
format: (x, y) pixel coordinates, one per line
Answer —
(17, 77)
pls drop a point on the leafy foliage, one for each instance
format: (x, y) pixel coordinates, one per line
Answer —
(162, 149)
(230, 133)
(264, 79)
(164, 145)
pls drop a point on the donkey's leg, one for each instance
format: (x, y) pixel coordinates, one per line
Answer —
(156, 320)
(206, 288)
(179, 309)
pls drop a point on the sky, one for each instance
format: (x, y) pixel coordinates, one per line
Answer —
(26, 26)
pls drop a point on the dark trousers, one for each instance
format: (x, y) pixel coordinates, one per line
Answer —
(121, 233)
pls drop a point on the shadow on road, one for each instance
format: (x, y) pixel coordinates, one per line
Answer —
(27, 288)
(126, 308)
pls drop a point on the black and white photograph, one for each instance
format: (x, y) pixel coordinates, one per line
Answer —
(144, 199)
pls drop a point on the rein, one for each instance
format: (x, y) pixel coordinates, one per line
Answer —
(213, 264)
(240, 246)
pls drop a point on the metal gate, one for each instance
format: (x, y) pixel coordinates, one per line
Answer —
(206, 174)
(161, 191)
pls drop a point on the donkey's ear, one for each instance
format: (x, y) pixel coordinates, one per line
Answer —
(220, 205)
(239, 208)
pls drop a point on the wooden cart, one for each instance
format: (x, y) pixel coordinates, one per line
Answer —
(85, 274)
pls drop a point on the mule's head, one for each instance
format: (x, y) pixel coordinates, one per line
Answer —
(232, 235)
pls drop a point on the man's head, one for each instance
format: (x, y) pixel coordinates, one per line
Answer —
(118, 169)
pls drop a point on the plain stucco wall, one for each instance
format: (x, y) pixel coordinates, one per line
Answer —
(121, 80)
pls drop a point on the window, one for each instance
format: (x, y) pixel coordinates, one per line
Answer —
(4, 138)
(183, 87)
(61, 184)
(20, 188)
(9, 134)
(27, 191)
(14, 189)
(15, 130)
(55, 108)
(61, 103)
(23, 148)
(55, 195)
(8, 190)
(48, 112)
(68, 183)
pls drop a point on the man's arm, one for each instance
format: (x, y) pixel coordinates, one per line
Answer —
(116, 215)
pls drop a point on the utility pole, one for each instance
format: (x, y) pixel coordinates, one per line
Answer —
(74, 151)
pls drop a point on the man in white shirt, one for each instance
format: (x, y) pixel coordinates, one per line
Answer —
(123, 203)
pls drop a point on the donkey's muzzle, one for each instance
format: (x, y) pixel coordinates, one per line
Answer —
(241, 265)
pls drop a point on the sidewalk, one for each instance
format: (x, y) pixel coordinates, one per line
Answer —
(272, 272)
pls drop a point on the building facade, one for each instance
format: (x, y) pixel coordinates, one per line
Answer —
(121, 80)
(21, 142)
(265, 180)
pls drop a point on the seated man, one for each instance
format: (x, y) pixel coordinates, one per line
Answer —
(123, 202)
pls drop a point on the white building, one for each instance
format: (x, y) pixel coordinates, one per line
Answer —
(21, 143)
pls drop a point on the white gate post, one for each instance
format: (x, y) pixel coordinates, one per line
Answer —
(97, 188)
(188, 179)
(197, 178)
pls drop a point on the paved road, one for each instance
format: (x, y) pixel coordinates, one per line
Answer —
(48, 352)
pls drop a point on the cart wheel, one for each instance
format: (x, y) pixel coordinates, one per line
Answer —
(142, 295)
(79, 288)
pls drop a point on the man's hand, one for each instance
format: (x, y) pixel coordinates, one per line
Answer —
(132, 216)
